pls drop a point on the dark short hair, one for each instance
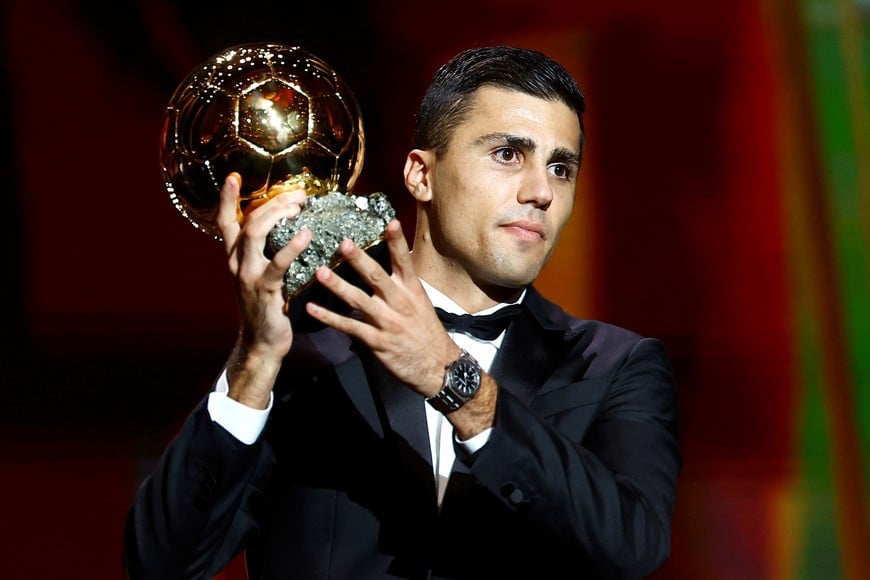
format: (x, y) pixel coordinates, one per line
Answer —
(446, 102)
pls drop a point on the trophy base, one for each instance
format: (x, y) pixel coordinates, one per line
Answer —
(331, 217)
(313, 292)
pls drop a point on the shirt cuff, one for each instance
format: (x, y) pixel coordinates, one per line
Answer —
(474, 444)
(241, 421)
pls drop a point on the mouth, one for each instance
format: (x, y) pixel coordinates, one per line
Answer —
(526, 229)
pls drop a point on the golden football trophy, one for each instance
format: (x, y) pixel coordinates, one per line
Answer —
(282, 118)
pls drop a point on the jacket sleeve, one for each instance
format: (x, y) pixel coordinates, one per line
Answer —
(186, 520)
(606, 491)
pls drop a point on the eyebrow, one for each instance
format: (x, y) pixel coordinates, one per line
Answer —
(559, 155)
(507, 139)
(566, 156)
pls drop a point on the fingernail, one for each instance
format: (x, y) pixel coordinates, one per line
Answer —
(291, 197)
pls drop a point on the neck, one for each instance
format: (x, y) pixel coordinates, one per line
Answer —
(452, 280)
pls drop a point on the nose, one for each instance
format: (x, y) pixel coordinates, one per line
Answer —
(536, 189)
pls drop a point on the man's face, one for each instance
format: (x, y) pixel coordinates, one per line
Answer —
(504, 189)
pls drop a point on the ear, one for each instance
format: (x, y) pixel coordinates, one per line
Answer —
(418, 170)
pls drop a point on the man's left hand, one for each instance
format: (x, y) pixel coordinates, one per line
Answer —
(397, 320)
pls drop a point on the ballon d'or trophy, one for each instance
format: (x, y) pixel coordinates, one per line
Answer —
(282, 118)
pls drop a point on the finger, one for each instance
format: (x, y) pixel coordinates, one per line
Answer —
(274, 191)
(370, 271)
(347, 325)
(285, 256)
(227, 217)
(252, 242)
(352, 295)
(400, 254)
(262, 219)
(258, 223)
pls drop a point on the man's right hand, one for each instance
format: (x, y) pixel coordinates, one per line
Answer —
(265, 334)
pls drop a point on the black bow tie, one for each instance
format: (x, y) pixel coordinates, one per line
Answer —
(486, 327)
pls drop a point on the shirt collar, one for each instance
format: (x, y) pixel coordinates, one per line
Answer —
(442, 301)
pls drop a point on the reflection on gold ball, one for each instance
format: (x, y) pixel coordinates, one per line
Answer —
(267, 111)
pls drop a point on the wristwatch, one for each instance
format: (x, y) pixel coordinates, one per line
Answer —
(461, 381)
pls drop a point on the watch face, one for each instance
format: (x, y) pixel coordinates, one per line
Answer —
(466, 378)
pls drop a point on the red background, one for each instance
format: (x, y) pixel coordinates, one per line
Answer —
(120, 314)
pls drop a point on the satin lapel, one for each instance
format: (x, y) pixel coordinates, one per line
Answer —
(402, 407)
(384, 402)
(337, 350)
(534, 344)
(405, 418)
(391, 409)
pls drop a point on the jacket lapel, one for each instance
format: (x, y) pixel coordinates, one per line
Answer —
(337, 350)
(403, 415)
(534, 344)
(384, 402)
(402, 408)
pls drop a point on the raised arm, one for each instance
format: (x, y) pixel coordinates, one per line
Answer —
(185, 521)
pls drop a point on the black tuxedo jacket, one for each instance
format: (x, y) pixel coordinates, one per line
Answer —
(577, 479)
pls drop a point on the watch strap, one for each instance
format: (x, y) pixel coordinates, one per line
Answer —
(448, 398)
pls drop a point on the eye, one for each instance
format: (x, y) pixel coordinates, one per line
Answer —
(506, 155)
(562, 171)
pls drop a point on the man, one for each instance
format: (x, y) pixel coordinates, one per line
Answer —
(384, 446)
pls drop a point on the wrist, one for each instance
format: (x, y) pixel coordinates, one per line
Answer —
(478, 414)
(251, 376)
(461, 381)
(436, 377)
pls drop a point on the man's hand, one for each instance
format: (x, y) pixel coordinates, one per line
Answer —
(265, 334)
(398, 322)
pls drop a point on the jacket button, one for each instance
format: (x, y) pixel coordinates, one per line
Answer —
(513, 494)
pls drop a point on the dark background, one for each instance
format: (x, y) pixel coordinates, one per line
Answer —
(705, 217)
